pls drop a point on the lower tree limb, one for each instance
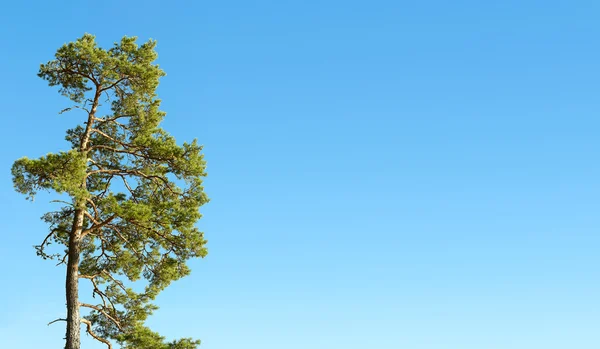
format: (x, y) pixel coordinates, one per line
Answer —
(88, 324)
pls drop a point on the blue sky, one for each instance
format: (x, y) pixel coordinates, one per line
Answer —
(383, 174)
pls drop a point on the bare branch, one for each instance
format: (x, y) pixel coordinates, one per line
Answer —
(64, 260)
(57, 320)
(135, 198)
(96, 337)
(96, 214)
(94, 163)
(103, 312)
(103, 296)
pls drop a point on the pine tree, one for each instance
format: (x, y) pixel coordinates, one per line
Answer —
(134, 193)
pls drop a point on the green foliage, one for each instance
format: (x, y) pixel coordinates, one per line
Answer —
(145, 338)
(137, 191)
(63, 172)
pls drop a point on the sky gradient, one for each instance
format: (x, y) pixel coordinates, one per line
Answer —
(383, 174)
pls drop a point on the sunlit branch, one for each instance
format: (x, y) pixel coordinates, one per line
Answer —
(96, 337)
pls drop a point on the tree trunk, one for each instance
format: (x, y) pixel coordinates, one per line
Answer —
(72, 284)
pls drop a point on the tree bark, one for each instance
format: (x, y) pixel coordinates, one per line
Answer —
(72, 284)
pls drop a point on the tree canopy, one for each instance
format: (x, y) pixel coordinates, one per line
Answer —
(134, 193)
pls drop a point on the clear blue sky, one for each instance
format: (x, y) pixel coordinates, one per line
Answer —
(383, 174)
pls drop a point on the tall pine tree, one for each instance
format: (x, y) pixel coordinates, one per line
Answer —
(134, 193)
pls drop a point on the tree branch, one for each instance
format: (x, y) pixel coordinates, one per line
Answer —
(138, 173)
(64, 259)
(114, 120)
(96, 337)
(57, 320)
(71, 71)
(123, 151)
(126, 145)
(120, 235)
(40, 248)
(114, 84)
(103, 312)
(96, 225)
(97, 291)
(71, 108)
(118, 282)
(63, 202)
(96, 214)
